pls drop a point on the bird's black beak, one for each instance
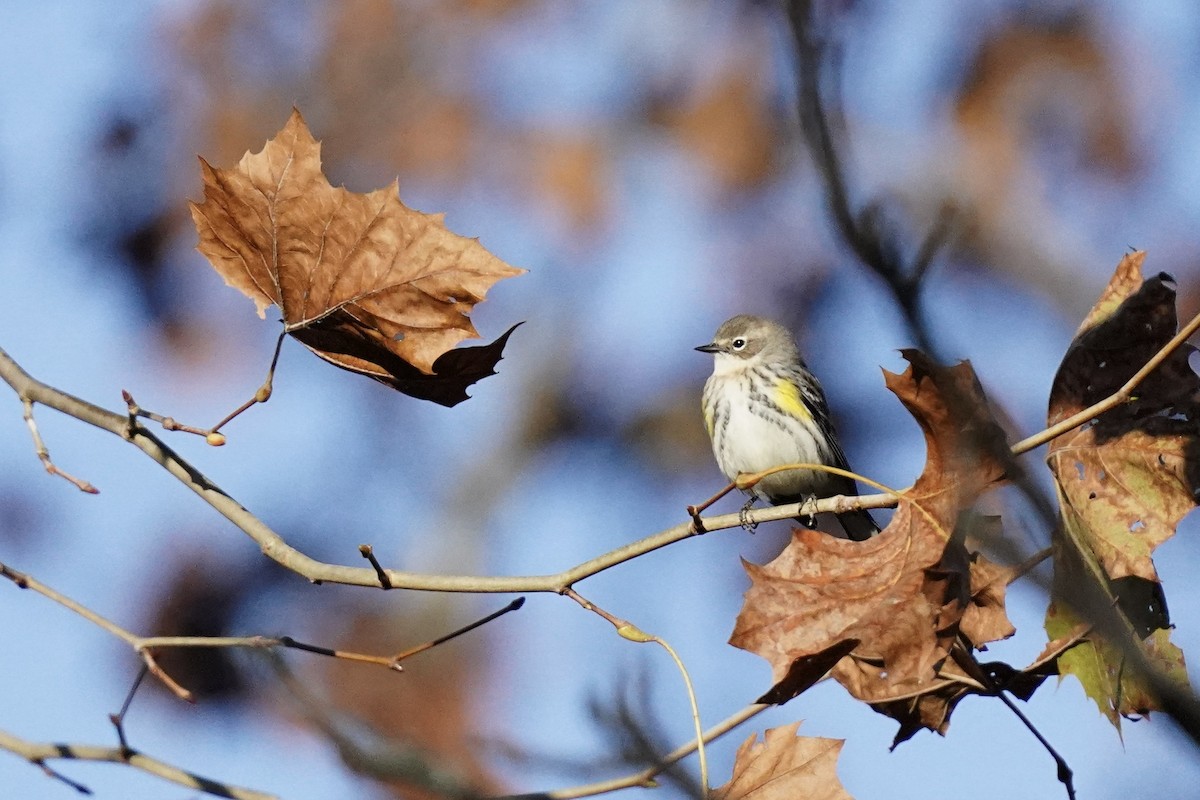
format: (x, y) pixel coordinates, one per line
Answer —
(709, 348)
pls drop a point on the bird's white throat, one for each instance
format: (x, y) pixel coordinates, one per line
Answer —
(725, 364)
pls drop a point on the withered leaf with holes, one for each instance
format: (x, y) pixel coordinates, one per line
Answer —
(1131, 475)
(1124, 481)
(362, 280)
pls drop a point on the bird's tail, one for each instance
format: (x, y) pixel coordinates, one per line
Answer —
(859, 524)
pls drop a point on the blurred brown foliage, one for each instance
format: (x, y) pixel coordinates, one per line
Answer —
(434, 704)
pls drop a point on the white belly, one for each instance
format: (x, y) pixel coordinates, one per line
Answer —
(759, 444)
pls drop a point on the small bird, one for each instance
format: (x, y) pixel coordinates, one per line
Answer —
(763, 409)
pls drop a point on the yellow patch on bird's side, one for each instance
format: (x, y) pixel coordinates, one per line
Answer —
(708, 418)
(787, 394)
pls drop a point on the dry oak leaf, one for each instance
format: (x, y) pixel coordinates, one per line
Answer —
(785, 766)
(362, 280)
(1131, 475)
(903, 593)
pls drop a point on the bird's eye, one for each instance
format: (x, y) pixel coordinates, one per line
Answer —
(739, 343)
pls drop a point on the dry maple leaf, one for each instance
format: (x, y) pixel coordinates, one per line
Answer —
(1131, 475)
(931, 708)
(1124, 481)
(902, 594)
(785, 766)
(985, 618)
(362, 280)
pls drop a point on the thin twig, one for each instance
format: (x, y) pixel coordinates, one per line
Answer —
(421, 648)
(629, 631)
(152, 664)
(645, 777)
(964, 657)
(695, 511)
(211, 435)
(264, 392)
(145, 646)
(118, 719)
(43, 453)
(1065, 775)
(58, 776)
(368, 553)
(1031, 563)
(26, 581)
(168, 423)
(38, 754)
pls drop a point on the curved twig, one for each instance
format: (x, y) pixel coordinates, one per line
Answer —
(645, 777)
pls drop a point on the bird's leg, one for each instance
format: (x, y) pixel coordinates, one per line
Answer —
(809, 507)
(748, 525)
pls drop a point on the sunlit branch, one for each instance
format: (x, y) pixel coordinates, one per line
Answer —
(276, 548)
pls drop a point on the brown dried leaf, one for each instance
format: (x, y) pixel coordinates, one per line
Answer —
(985, 619)
(1124, 482)
(453, 371)
(904, 593)
(785, 766)
(1130, 476)
(931, 708)
(364, 281)
(928, 708)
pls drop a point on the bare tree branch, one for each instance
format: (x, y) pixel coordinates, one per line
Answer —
(38, 754)
(145, 646)
(275, 548)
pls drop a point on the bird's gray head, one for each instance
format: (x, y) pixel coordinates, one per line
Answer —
(745, 339)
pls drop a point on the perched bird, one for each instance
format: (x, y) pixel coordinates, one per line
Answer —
(763, 409)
